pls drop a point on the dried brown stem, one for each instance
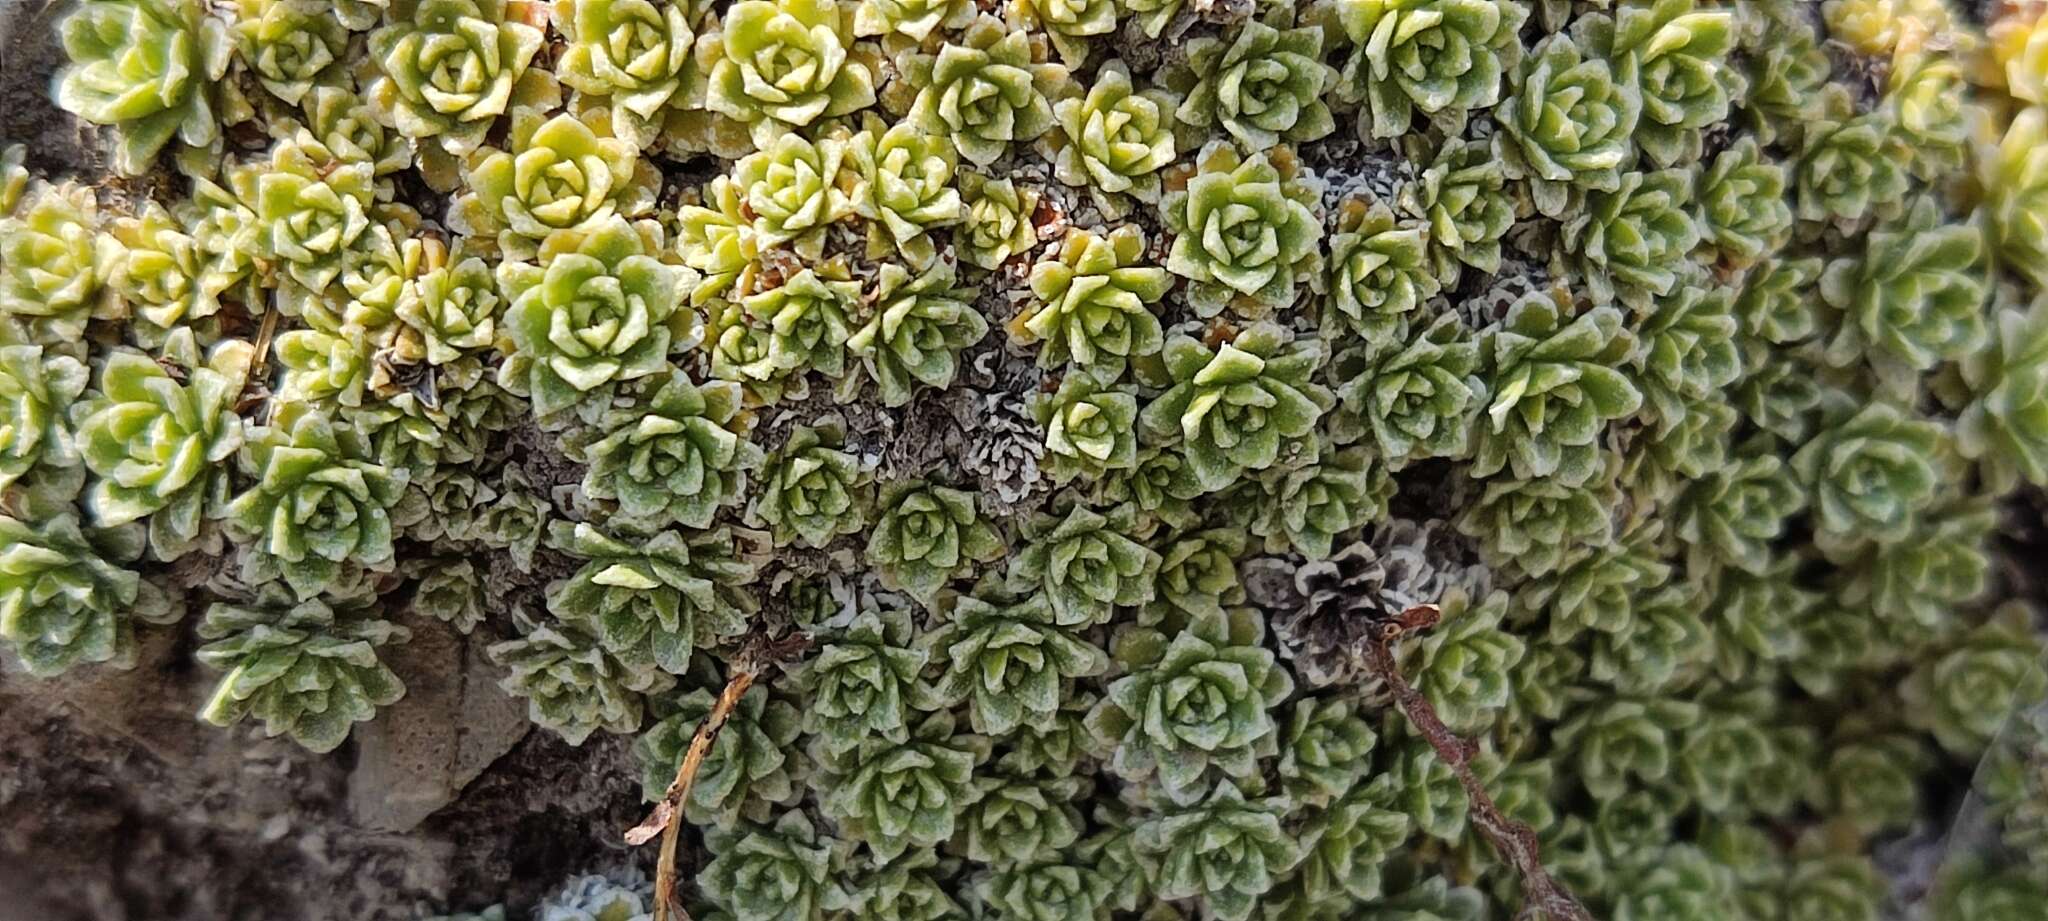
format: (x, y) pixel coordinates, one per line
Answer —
(662, 821)
(255, 393)
(1542, 896)
(263, 336)
(753, 660)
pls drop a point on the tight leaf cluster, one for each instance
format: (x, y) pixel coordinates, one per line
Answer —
(1075, 391)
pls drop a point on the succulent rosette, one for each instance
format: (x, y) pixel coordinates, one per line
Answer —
(1687, 353)
(572, 685)
(452, 308)
(2016, 180)
(1197, 576)
(1836, 887)
(446, 69)
(1243, 236)
(1193, 708)
(1418, 398)
(1096, 298)
(1850, 166)
(1571, 124)
(1534, 525)
(812, 489)
(1350, 841)
(778, 65)
(1009, 660)
(313, 213)
(158, 444)
(1086, 564)
(793, 190)
(1784, 75)
(1625, 741)
(451, 591)
(1869, 471)
(331, 369)
(1115, 139)
(1675, 54)
(1440, 59)
(1463, 665)
(676, 459)
(1692, 446)
(925, 535)
(2005, 425)
(306, 668)
(913, 18)
(151, 68)
(318, 507)
(810, 318)
(347, 125)
(1743, 210)
(897, 795)
(1233, 408)
(905, 189)
(289, 45)
(1304, 508)
(159, 269)
(801, 861)
(1264, 87)
(598, 309)
(1462, 196)
(915, 331)
(751, 770)
(1733, 514)
(1557, 381)
(1000, 220)
(68, 599)
(37, 389)
(716, 238)
(554, 174)
(50, 271)
(918, 885)
(744, 352)
(1329, 748)
(636, 55)
(373, 279)
(1380, 273)
(1915, 298)
(1631, 243)
(1963, 694)
(864, 681)
(984, 93)
(1774, 307)
(1068, 23)
(654, 599)
(1044, 891)
(1090, 428)
(1162, 483)
(1872, 778)
(1225, 850)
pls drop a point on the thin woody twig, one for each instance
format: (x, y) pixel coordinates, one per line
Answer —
(662, 821)
(1515, 841)
(752, 662)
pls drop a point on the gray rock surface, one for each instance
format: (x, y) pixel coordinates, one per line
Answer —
(420, 752)
(57, 144)
(117, 804)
